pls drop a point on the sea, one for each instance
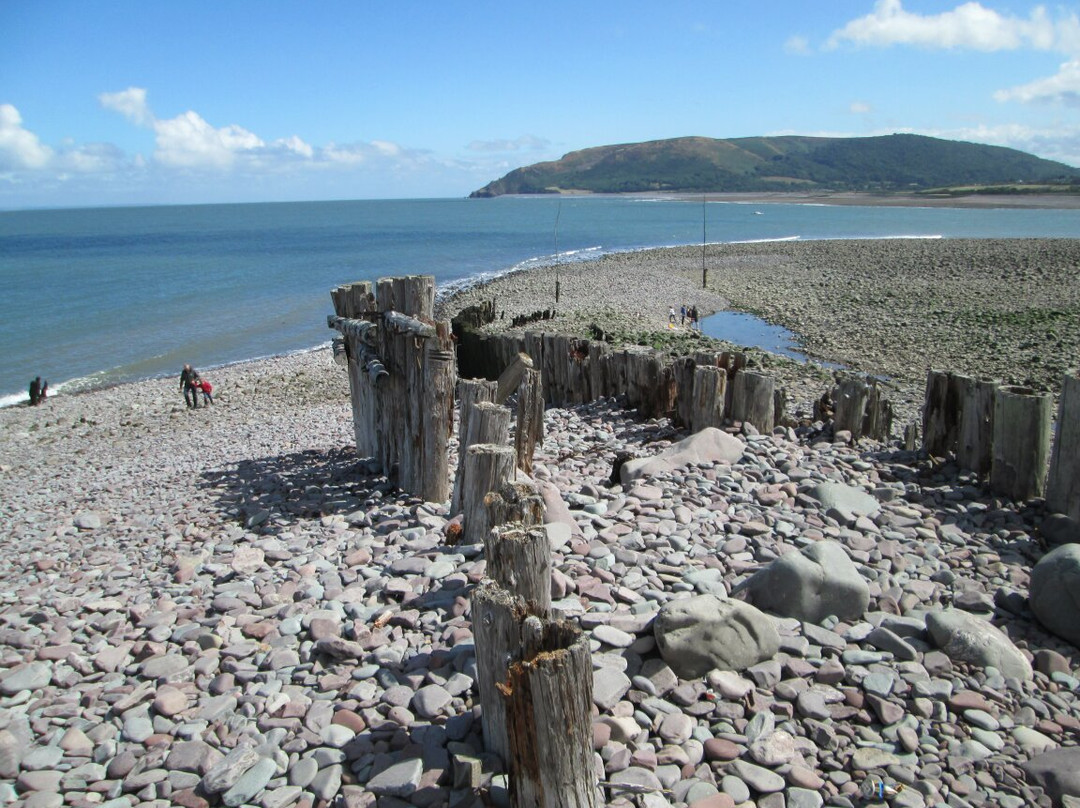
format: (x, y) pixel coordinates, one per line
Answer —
(99, 296)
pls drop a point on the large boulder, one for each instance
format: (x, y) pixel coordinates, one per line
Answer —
(818, 581)
(696, 635)
(1057, 771)
(1054, 592)
(846, 499)
(967, 638)
(1058, 528)
(710, 445)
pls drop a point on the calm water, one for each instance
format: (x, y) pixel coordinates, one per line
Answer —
(92, 297)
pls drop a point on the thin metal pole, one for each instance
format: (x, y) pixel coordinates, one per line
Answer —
(558, 212)
(704, 273)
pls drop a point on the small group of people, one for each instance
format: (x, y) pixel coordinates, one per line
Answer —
(192, 385)
(39, 391)
(685, 313)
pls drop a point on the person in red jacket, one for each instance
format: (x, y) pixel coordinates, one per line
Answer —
(207, 389)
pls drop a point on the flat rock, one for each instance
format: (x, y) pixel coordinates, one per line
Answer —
(698, 634)
(710, 445)
(818, 581)
(847, 499)
(968, 638)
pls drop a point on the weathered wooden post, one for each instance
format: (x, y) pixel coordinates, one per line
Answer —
(535, 681)
(850, 399)
(1063, 483)
(487, 467)
(511, 377)
(530, 419)
(549, 699)
(352, 303)
(941, 413)
(1021, 442)
(519, 560)
(486, 422)
(400, 403)
(682, 371)
(708, 396)
(861, 409)
(439, 376)
(496, 618)
(516, 501)
(975, 432)
(469, 392)
(877, 424)
(752, 400)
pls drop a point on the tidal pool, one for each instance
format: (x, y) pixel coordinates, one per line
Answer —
(749, 330)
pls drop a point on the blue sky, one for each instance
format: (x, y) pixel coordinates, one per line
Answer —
(111, 103)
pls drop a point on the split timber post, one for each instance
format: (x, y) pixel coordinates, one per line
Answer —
(1063, 484)
(1021, 442)
(487, 467)
(534, 676)
(517, 501)
(485, 422)
(469, 392)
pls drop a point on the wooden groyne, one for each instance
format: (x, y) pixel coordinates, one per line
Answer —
(1005, 435)
(706, 389)
(402, 372)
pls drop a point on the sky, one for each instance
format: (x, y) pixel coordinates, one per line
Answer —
(113, 102)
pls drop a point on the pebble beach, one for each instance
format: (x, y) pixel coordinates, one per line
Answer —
(225, 606)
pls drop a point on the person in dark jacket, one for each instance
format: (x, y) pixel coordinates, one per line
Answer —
(188, 379)
(35, 391)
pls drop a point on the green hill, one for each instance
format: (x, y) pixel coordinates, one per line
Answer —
(792, 163)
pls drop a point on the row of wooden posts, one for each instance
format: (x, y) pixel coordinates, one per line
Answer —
(1005, 434)
(706, 389)
(534, 672)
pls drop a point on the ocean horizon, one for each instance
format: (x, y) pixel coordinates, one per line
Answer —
(93, 297)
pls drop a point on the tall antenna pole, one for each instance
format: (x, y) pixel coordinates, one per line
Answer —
(704, 272)
(558, 212)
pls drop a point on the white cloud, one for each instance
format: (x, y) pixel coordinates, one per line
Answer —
(525, 143)
(860, 108)
(131, 103)
(188, 140)
(798, 45)
(19, 148)
(968, 26)
(1062, 87)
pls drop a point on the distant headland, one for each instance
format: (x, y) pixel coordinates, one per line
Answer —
(891, 169)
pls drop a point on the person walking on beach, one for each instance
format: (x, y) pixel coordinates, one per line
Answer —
(207, 389)
(188, 377)
(682, 315)
(35, 391)
(671, 316)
